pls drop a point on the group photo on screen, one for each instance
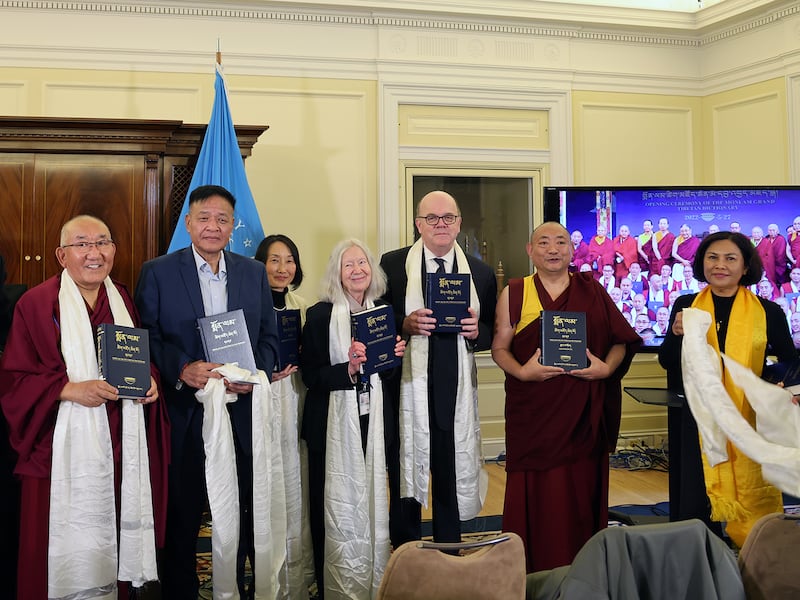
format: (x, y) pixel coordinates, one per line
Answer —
(640, 243)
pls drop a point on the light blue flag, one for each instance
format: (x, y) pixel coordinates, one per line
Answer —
(220, 163)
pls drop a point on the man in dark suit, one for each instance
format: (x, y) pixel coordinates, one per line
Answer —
(173, 292)
(450, 388)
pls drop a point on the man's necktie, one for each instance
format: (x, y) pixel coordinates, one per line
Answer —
(444, 364)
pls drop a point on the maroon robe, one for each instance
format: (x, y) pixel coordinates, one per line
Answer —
(629, 251)
(664, 248)
(601, 252)
(688, 248)
(32, 375)
(559, 432)
(779, 257)
(580, 256)
(647, 248)
(764, 249)
(794, 247)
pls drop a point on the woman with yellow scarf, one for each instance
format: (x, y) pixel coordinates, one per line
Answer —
(746, 328)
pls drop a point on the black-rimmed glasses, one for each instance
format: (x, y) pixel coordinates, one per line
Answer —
(101, 245)
(433, 220)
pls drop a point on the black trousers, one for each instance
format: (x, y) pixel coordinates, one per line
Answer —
(405, 514)
(687, 488)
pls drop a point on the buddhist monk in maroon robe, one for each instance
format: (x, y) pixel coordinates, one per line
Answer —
(601, 250)
(793, 243)
(560, 426)
(685, 246)
(580, 252)
(764, 250)
(778, 243)
(625, 252)
(33, 381)
(661, 246)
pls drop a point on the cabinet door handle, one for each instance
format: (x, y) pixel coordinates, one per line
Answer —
(38, 258)
(27, 257)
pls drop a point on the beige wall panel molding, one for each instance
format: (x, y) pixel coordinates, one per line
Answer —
(638, 418)
(632, 144)
(392, 95)
(13, 97)
(793, 112)
(93, 99)
(443, 126)
(749, 140)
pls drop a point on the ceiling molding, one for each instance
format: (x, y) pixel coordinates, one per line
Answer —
(536, 18)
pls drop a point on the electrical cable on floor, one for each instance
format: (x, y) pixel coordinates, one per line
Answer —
(639, 456)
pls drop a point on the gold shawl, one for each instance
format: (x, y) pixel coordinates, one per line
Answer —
(738, 493)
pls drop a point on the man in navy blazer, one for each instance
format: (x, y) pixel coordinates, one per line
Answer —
(438, 222)
(174, 290)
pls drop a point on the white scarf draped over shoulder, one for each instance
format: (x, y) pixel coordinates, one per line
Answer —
(774, 443)
(222, 483)
(82, 557)
(289, 397)
(356, 498)
(471, 479)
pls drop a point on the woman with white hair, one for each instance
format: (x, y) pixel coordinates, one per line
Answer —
(343, 428)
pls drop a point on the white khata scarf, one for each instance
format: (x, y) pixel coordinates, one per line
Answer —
(471, 479)
(222, 483)
(356, 501)
(289, 395)
(774, 443)
(82, 550)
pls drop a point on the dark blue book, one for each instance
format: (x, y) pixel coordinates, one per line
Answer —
(563, 340)
(123, 356)
(225, 340)
(447, 295)
(637, 287)
(289, 327)
(787, 373)
(375, 329)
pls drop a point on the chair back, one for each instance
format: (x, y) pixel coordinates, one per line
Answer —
(492, 569)
(770, 558)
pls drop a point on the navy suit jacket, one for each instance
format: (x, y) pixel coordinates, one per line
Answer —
(170, 302)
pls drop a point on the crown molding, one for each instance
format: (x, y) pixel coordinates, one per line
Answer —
(518, 17)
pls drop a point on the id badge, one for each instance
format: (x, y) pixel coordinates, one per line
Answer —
(363, 403)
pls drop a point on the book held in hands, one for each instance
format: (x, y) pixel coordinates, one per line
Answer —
(375, 329)
(226, 340)
(123, 356)
(563, 340)
(447, 295)
(787, 373)
(288, 321)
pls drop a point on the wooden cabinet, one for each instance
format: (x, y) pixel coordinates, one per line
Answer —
(132, 174)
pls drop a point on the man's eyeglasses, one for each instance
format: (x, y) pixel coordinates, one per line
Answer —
(433, 220)
(83, 247)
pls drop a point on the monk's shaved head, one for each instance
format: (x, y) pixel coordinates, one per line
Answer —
(68, 228)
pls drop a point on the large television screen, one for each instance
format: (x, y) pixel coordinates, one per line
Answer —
(694, 209)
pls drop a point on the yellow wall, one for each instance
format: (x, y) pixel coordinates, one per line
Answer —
(313, 173)
(746, 134)
(636, 139)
